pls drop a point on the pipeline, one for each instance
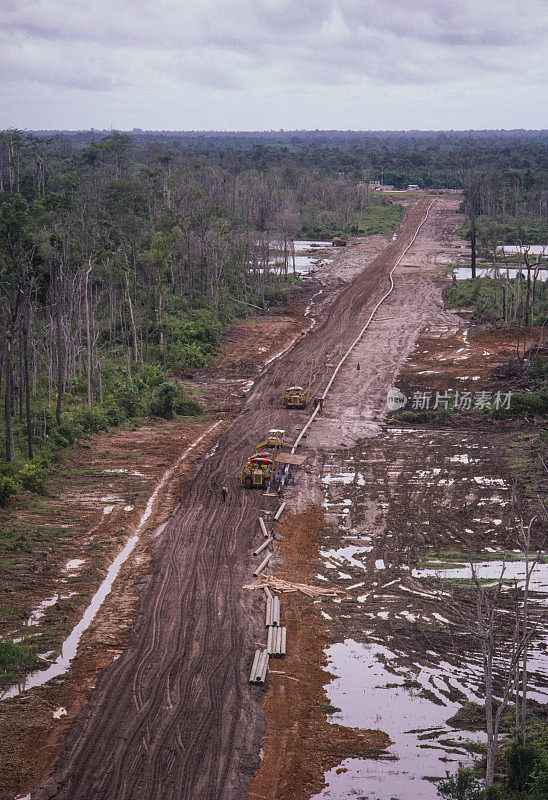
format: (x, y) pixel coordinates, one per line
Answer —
(363, 330)
(272, 611)
(260, 667)
(276, 643)
(263, 545)
(262, 565)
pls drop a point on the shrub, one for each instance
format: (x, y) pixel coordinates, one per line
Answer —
(188, 407)
(182, 355)
(32, 478)
(535, 403)
(521, 760)
(8, 487)
(163, 401)
(537, 784)
(14, 653)
(461, 786)
(113, 414)
(127, 397)
(169, 400)
(275, 295)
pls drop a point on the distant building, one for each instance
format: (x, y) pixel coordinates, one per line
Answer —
(377, 186)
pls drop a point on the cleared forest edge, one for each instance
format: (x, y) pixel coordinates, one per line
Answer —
(173, 716)
(124, 464)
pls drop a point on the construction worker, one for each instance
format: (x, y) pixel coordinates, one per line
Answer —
(224, 492)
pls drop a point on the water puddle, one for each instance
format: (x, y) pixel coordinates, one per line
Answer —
(463, 273)
(40, 610)
(70, 645)
(373, 691)
(73, 565)
(307, 256)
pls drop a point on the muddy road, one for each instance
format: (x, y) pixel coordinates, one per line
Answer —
(174, 717)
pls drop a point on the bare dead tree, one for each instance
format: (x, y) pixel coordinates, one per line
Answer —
(483, 616)
(88, 334)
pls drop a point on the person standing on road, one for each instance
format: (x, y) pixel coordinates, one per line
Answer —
(224, 492)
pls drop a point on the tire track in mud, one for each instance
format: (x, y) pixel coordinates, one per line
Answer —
(174, 716)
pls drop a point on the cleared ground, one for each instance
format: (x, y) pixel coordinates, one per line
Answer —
(174, 716)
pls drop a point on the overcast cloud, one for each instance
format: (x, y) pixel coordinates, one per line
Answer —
(260, 64)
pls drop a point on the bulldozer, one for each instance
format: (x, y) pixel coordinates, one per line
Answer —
(295, 396)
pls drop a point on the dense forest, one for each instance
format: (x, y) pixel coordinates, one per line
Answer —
(122, 256)
(430, 159)
(119, 266)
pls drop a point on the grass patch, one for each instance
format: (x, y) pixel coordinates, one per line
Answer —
(328, 708)
(16, 658)
(379, 216)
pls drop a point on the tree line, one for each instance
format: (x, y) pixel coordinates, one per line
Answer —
(120, 264)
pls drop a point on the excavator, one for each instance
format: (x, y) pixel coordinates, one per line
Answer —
(295, 396)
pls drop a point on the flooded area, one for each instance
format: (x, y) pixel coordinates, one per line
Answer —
(372, 691)
(308, 256)
(408, 512)
(533, 249)
(462, 273)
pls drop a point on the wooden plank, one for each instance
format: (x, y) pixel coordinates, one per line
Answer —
(291, 458)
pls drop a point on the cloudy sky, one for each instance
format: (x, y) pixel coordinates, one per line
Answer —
(271, 64)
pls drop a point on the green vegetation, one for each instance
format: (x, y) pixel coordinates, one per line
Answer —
(378, 217)
(498, 300)
(121, 261)
(524, 404)
(147, 394)
(429, 159)
(521, 767)
(507, 230)
(16, 658)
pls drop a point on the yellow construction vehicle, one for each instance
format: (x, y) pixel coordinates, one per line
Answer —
(258, 468)
(295, 396)
(257, 471)
(275, 438)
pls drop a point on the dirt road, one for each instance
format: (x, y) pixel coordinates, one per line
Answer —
(174, 716)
